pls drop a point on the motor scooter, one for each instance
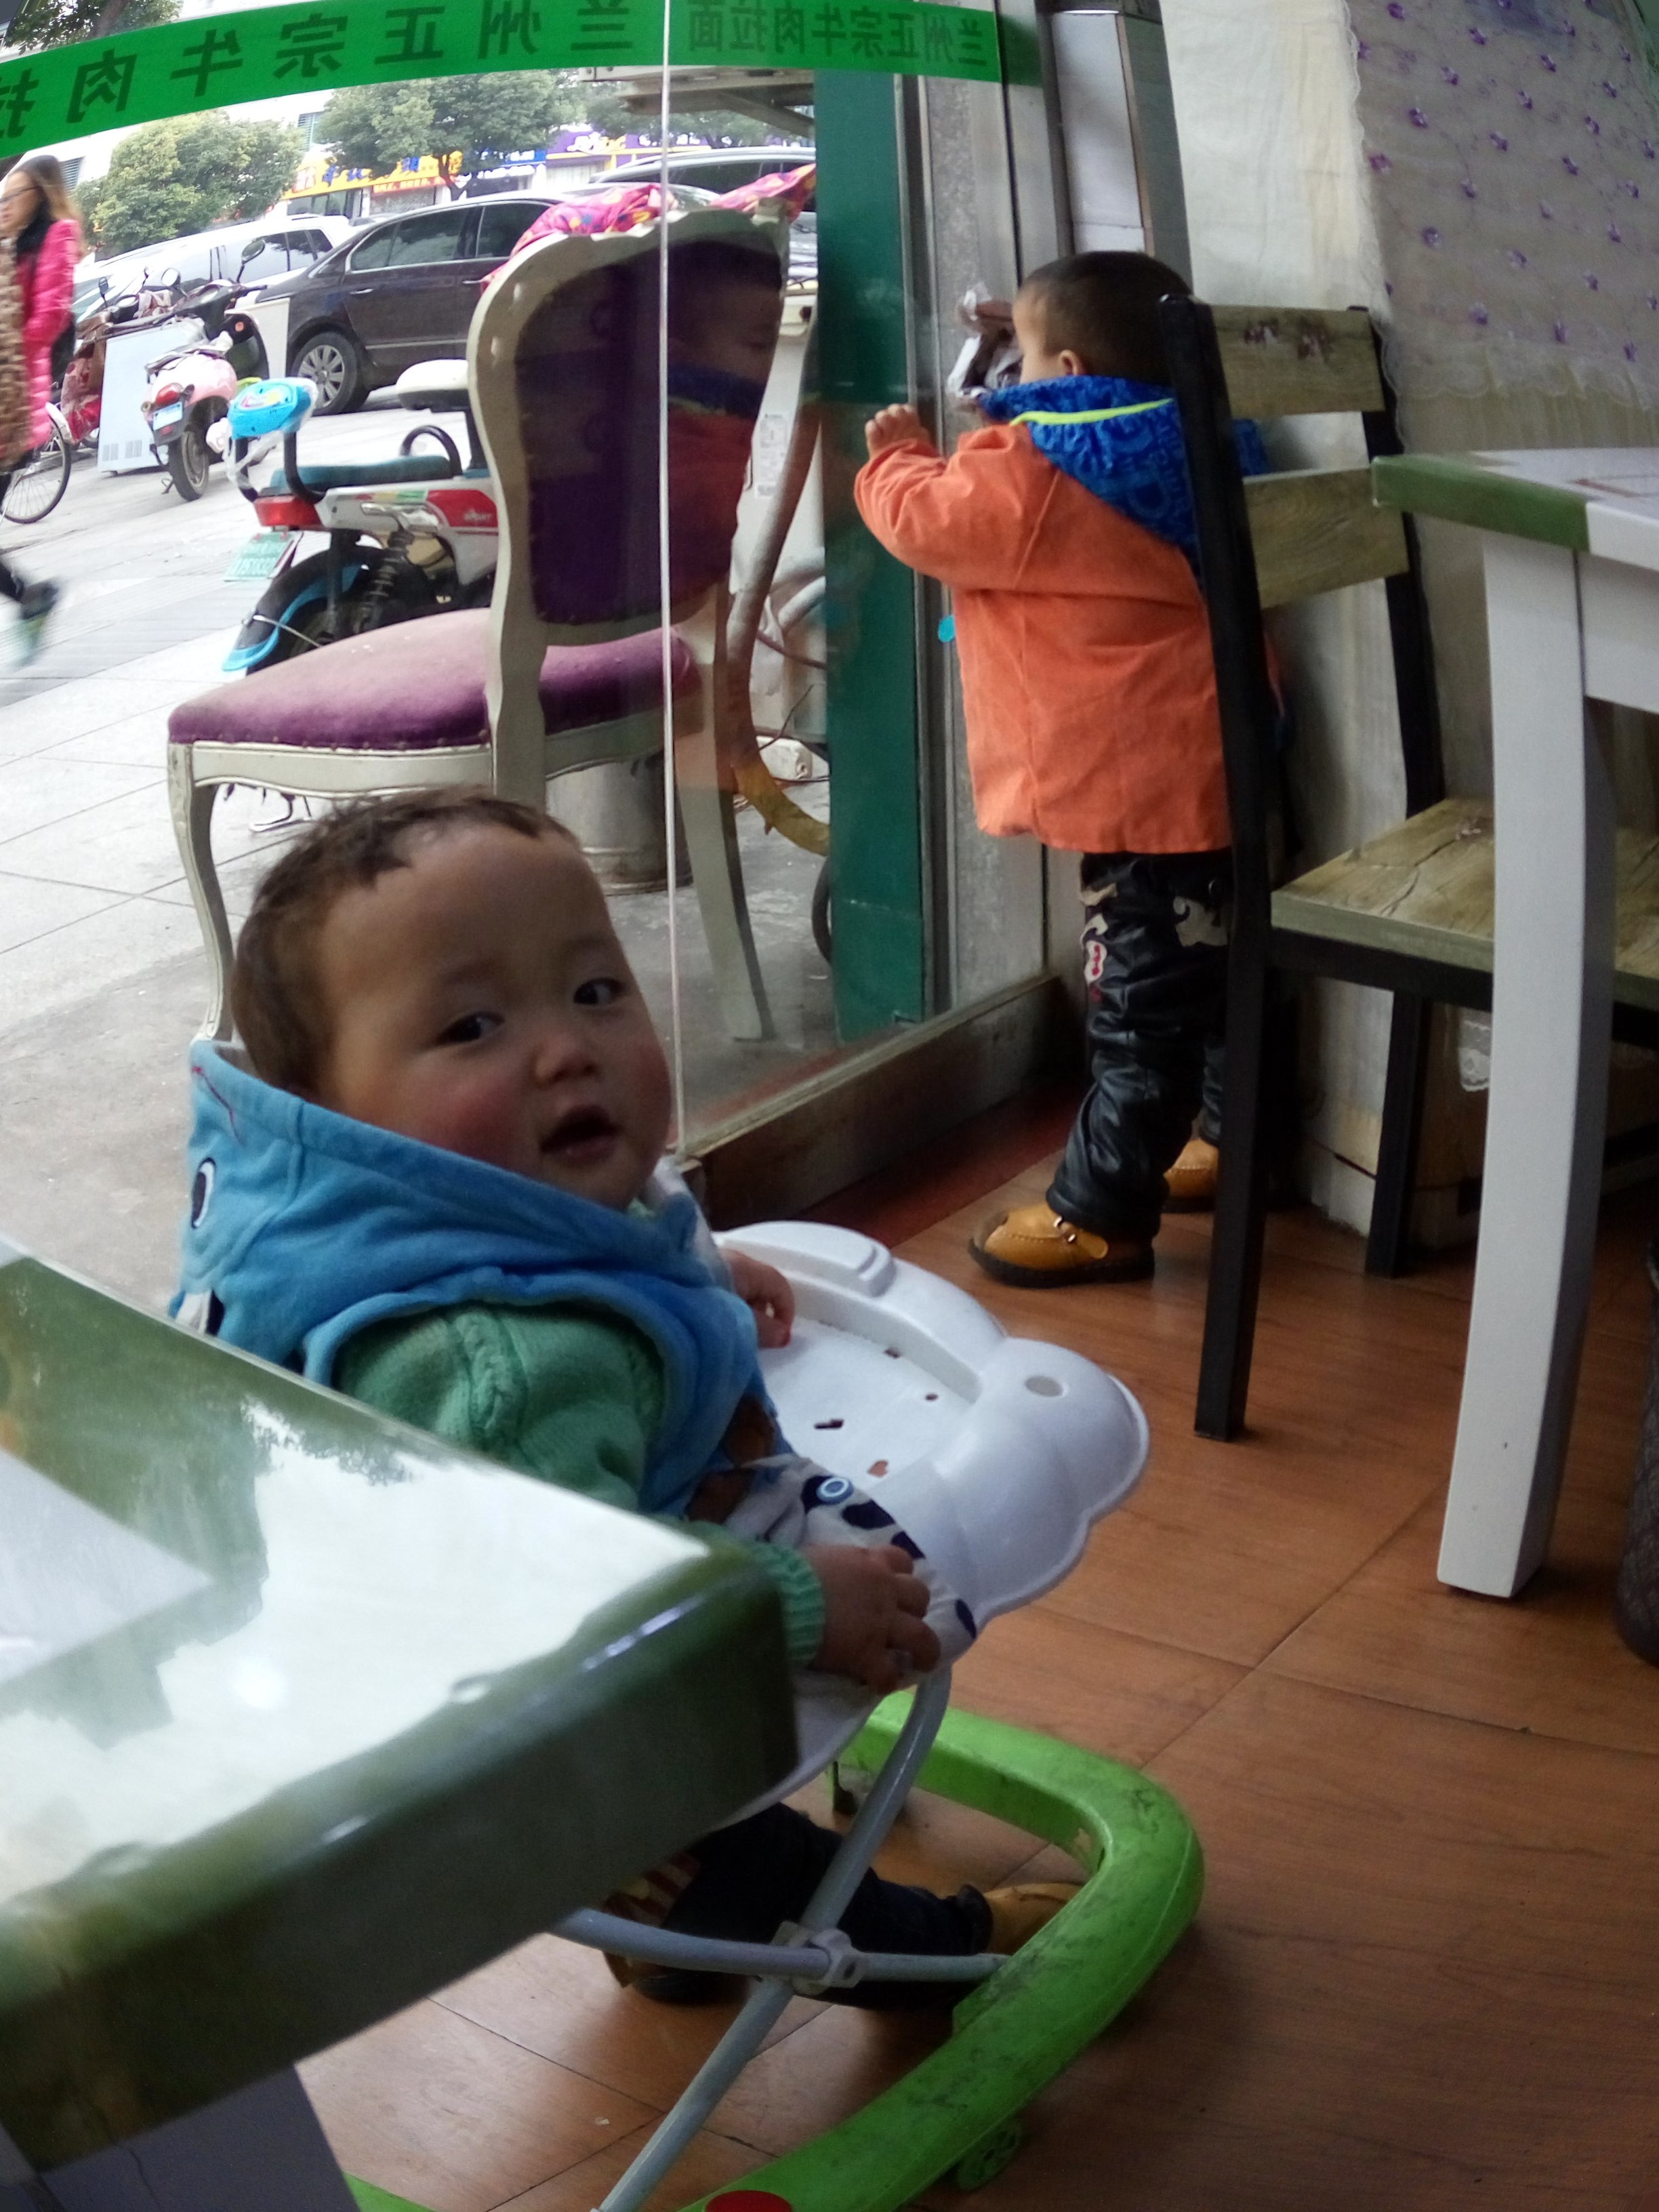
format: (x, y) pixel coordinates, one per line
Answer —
(191, 387)
(417, 533)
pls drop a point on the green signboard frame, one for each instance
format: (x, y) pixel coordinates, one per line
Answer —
(259, 53)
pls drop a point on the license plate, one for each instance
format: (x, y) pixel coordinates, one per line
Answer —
(165, 417)
(260, 556)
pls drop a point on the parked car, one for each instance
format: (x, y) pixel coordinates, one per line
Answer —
(711, 169)
(715, 169)
(251, 253)
(398, 291)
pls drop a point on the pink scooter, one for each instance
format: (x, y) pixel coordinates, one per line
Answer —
(190, 388)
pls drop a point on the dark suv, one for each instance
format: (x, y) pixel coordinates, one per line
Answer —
(401, 291)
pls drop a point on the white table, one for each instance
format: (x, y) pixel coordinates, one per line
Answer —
(1570, 541)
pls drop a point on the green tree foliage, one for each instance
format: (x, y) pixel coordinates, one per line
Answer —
(465, 122)
(609, 113)
(41, 23)
(187, 174)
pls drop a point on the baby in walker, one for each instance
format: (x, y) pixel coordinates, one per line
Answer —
(437, 1185)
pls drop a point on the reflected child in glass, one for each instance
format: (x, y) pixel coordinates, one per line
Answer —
(435, 1181)
(1065, 529)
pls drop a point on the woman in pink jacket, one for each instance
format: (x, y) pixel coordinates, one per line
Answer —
(38, 227)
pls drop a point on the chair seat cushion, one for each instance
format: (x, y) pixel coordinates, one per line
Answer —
(418, 685)
(1425, 889)
(397, 468)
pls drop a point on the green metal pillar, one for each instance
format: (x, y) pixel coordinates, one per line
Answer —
(880, 963)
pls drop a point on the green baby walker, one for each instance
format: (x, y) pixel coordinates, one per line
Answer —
(1004, 1452)
(304, 1713)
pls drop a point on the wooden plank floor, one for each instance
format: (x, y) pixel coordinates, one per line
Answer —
(1426, 1971)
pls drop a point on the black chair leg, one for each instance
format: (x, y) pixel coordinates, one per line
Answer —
(1387, 1248)
(1224, 1378)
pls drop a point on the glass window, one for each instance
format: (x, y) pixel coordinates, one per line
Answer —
(375, 252)
(427, 238)
(501, 224)
(263, 258)
(840, 738)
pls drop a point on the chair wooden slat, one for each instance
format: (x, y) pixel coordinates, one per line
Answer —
(1298, 361)
(1316, 530)
(1425, 889)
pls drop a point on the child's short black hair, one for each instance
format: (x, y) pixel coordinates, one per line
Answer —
(1103, 308)
(274, 998)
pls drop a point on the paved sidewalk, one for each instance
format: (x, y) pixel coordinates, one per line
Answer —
(102, 978)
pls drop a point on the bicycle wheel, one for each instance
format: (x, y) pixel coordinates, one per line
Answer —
(38, 483)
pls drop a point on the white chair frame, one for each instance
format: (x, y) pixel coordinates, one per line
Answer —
(519, 758)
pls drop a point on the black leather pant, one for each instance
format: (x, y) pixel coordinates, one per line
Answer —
(1155, 952)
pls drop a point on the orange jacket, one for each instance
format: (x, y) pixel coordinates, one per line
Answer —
(1086, 674)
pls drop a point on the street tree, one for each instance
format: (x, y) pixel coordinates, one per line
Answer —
(464, 123)
(611, 113)
(188, 174)
(40, 23)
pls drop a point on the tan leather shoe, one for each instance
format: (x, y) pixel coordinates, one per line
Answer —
(1019, 1911)
(1192, 1179)
(1036, 1249)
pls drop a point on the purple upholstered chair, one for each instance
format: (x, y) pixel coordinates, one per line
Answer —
(564, 670)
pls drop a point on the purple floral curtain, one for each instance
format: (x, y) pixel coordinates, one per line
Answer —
(1514, 154)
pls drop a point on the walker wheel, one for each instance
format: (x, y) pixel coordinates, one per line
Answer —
(989, 2155)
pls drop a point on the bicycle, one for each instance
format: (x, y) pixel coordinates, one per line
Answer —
(40, 480)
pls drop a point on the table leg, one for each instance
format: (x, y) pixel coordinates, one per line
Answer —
(259, 2149)
(1552, 1001)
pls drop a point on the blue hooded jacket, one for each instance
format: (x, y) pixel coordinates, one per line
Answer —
(306, 1227)
(1122, 440)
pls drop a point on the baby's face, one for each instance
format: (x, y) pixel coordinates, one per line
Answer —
(732, 327)
(477, 1000)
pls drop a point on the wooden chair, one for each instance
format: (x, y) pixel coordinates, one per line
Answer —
(1410, 911)
(565, 669)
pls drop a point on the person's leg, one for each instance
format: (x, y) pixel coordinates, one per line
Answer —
(1193, 1176)
(1156, 939)
(1155, 942)
(759, 1873)
(11, 584)
(33, 602)
(1209, 1111)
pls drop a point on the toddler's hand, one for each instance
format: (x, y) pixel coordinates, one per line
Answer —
(765, 1290)
(893, 426)
(874, 1603)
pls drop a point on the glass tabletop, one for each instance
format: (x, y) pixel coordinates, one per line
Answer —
(303, 1712)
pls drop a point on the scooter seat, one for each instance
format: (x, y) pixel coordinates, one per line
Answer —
(417, 686)
(336, 475)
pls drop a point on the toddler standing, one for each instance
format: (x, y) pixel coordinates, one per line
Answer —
(1064, 530)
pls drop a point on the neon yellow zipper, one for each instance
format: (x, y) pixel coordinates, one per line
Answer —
(1093, 413)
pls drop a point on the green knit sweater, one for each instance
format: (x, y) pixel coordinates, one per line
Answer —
(569, 1395)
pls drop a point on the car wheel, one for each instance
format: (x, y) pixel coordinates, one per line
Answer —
(333, 364)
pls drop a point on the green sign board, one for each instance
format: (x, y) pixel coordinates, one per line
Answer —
(256, 53)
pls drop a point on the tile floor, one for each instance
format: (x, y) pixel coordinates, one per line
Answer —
(1424, 1974)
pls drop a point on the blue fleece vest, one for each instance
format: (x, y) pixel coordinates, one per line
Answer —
(306, 1227)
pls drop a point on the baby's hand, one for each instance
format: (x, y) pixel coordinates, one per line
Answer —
(893, 426)
(874, 1603)
(767, 1294)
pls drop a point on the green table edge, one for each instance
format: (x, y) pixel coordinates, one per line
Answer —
(165, 1944)
(1457, 490)
(1019, 2030)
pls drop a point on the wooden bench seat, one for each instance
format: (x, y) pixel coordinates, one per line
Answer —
(1424, 888)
